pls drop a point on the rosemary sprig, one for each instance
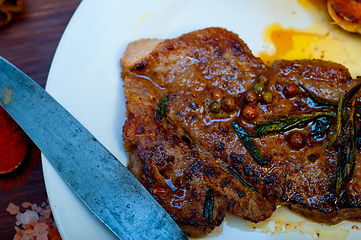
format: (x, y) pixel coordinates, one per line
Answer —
(349, 95)
(342, 113)
(162, 107)
(208, 205)
(337, 131)
(346, 153)
(287, 122)
(248, 143)
(316, 99)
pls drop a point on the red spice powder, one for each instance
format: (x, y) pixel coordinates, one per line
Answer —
(20, 175)
(13, 143)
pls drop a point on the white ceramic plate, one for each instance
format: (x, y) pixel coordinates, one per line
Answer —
(85, 79)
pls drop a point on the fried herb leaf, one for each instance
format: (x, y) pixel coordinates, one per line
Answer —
(208, 205)
(349, 95)
(162, 107)
(316, 99)
(342, 113)
(337, 131)
(248, 143)
(287, 122)
(346, 153)
(247, 185)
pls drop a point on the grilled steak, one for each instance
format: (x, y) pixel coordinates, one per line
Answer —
(188, 100)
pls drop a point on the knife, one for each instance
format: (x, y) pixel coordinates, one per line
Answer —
(99, 179)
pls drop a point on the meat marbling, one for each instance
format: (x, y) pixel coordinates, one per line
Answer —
(194, 148)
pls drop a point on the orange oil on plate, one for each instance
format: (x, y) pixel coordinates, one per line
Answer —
(320, 40)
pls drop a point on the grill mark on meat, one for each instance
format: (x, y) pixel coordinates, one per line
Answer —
(188, 151)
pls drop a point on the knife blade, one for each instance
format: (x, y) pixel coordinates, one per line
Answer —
(100, 180)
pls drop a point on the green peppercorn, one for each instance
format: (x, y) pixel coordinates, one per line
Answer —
(267, 97)
(215, 107)
(263, 78)
(259, 88)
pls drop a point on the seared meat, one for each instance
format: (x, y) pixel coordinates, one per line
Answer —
(183, 98)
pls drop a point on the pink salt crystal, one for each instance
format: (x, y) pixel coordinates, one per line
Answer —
(42, 236)
(28, 232)
(19, 235)
(41, 213)
(38, 209)
(29, 215)
(47, 213)
(42, 220)
(36, 232)
(25, 237)
(17, 229)
(26, 204)
(40, 227)
(32, 223)
(50, 220)
(18, 221)
(34, 206)
(13, 209)
(43, 204)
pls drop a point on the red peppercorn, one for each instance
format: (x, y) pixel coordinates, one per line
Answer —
(297, 140)
(228, 104)
(278, 86)
(216, 95)
(290, 90)
(249, 112)
(250, 97)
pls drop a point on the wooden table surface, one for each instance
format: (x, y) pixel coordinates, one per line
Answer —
(29, 42)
